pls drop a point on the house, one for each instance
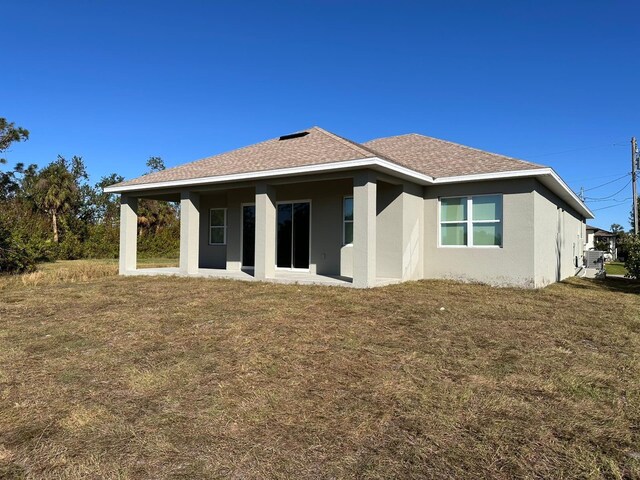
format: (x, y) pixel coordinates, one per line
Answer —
(595, 234)
(315, 207)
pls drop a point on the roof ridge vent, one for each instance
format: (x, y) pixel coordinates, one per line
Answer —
(294, 135)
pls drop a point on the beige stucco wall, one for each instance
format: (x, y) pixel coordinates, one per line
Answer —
(211, 256)
(326, 219)
(412, 232)
(541, 234)
(399, 233)
(511, 264)
(326, 223)
(559, 237)
(389, 217)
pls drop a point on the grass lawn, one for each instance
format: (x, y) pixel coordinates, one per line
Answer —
(139, 377)
(615, 268)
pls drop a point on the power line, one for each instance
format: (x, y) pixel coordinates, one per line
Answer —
(612, 200)
(610, 196)
(608, 183)
(598, 177)
(604, 208)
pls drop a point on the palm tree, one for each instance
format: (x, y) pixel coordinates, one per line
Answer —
(56, 187)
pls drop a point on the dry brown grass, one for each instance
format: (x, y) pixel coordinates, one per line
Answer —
(185, 378)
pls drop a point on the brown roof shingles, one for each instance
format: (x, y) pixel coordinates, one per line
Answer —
(439, 158)
(318, 147)
(430, 156)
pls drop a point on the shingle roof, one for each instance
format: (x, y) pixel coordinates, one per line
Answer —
(430, 156)
(601, 232)
(316, 147)
(440, 158)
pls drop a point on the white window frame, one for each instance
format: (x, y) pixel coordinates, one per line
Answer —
(224, 226)
(469, 221)
(344, 222)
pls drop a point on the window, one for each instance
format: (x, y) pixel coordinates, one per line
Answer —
(347, 221)
(471, 221)
(218, 226)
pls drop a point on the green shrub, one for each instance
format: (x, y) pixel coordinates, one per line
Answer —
(70, 248)
(14, 256)
(632, 262)
(163, 243)
(102, 241)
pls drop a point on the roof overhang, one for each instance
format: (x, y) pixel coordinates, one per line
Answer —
(375, 163)
(546, 176)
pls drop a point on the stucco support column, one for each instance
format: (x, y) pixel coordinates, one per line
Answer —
(364, 229)
(412, 232)
(189, 232)
(265, 259)
(128, 234)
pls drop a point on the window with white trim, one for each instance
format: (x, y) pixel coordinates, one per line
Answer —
(474, 221)
(218, 226)
(347, 221)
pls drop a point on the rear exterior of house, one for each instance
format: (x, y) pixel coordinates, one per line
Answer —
(313, 206)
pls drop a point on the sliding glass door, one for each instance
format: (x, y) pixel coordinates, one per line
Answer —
(294, 222)
(248, 235)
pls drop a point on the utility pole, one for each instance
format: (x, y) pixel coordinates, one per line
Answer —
(634, 164)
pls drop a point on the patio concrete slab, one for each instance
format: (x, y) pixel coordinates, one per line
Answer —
(281, 276)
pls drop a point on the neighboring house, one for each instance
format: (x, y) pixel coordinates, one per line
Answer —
(316, 207)
(595, 234)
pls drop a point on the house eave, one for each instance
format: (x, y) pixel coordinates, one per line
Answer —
(547, 176)
(370, 162)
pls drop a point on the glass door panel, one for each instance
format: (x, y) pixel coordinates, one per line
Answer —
(301, 213)
(248, 235)
(284, 240)
(293, 237)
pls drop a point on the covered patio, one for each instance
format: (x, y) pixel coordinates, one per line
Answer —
(347, 229)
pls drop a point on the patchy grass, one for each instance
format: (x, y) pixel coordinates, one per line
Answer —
(72, 271)
(157, 262)
(615, 268)
(138, 377)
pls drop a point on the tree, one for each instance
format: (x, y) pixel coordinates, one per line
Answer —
(57, 189)
(155, 215)
(632, 260)
(155, 164)
(14, 256)
(105, 205)
(617, 228)
(632, 215)
(9, 134)
(601, 245)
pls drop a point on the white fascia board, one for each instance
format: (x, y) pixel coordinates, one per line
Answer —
(476, 177)
(372, 162)
(556, 184)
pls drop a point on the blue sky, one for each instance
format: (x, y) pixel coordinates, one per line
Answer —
(116, 82)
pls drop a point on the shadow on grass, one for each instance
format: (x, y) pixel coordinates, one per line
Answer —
(609, 284)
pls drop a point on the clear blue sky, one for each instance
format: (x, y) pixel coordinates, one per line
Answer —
(117, 82)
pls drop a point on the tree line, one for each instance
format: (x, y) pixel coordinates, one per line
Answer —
(52, 212)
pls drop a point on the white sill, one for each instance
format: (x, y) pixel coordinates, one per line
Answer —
(490, 247)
